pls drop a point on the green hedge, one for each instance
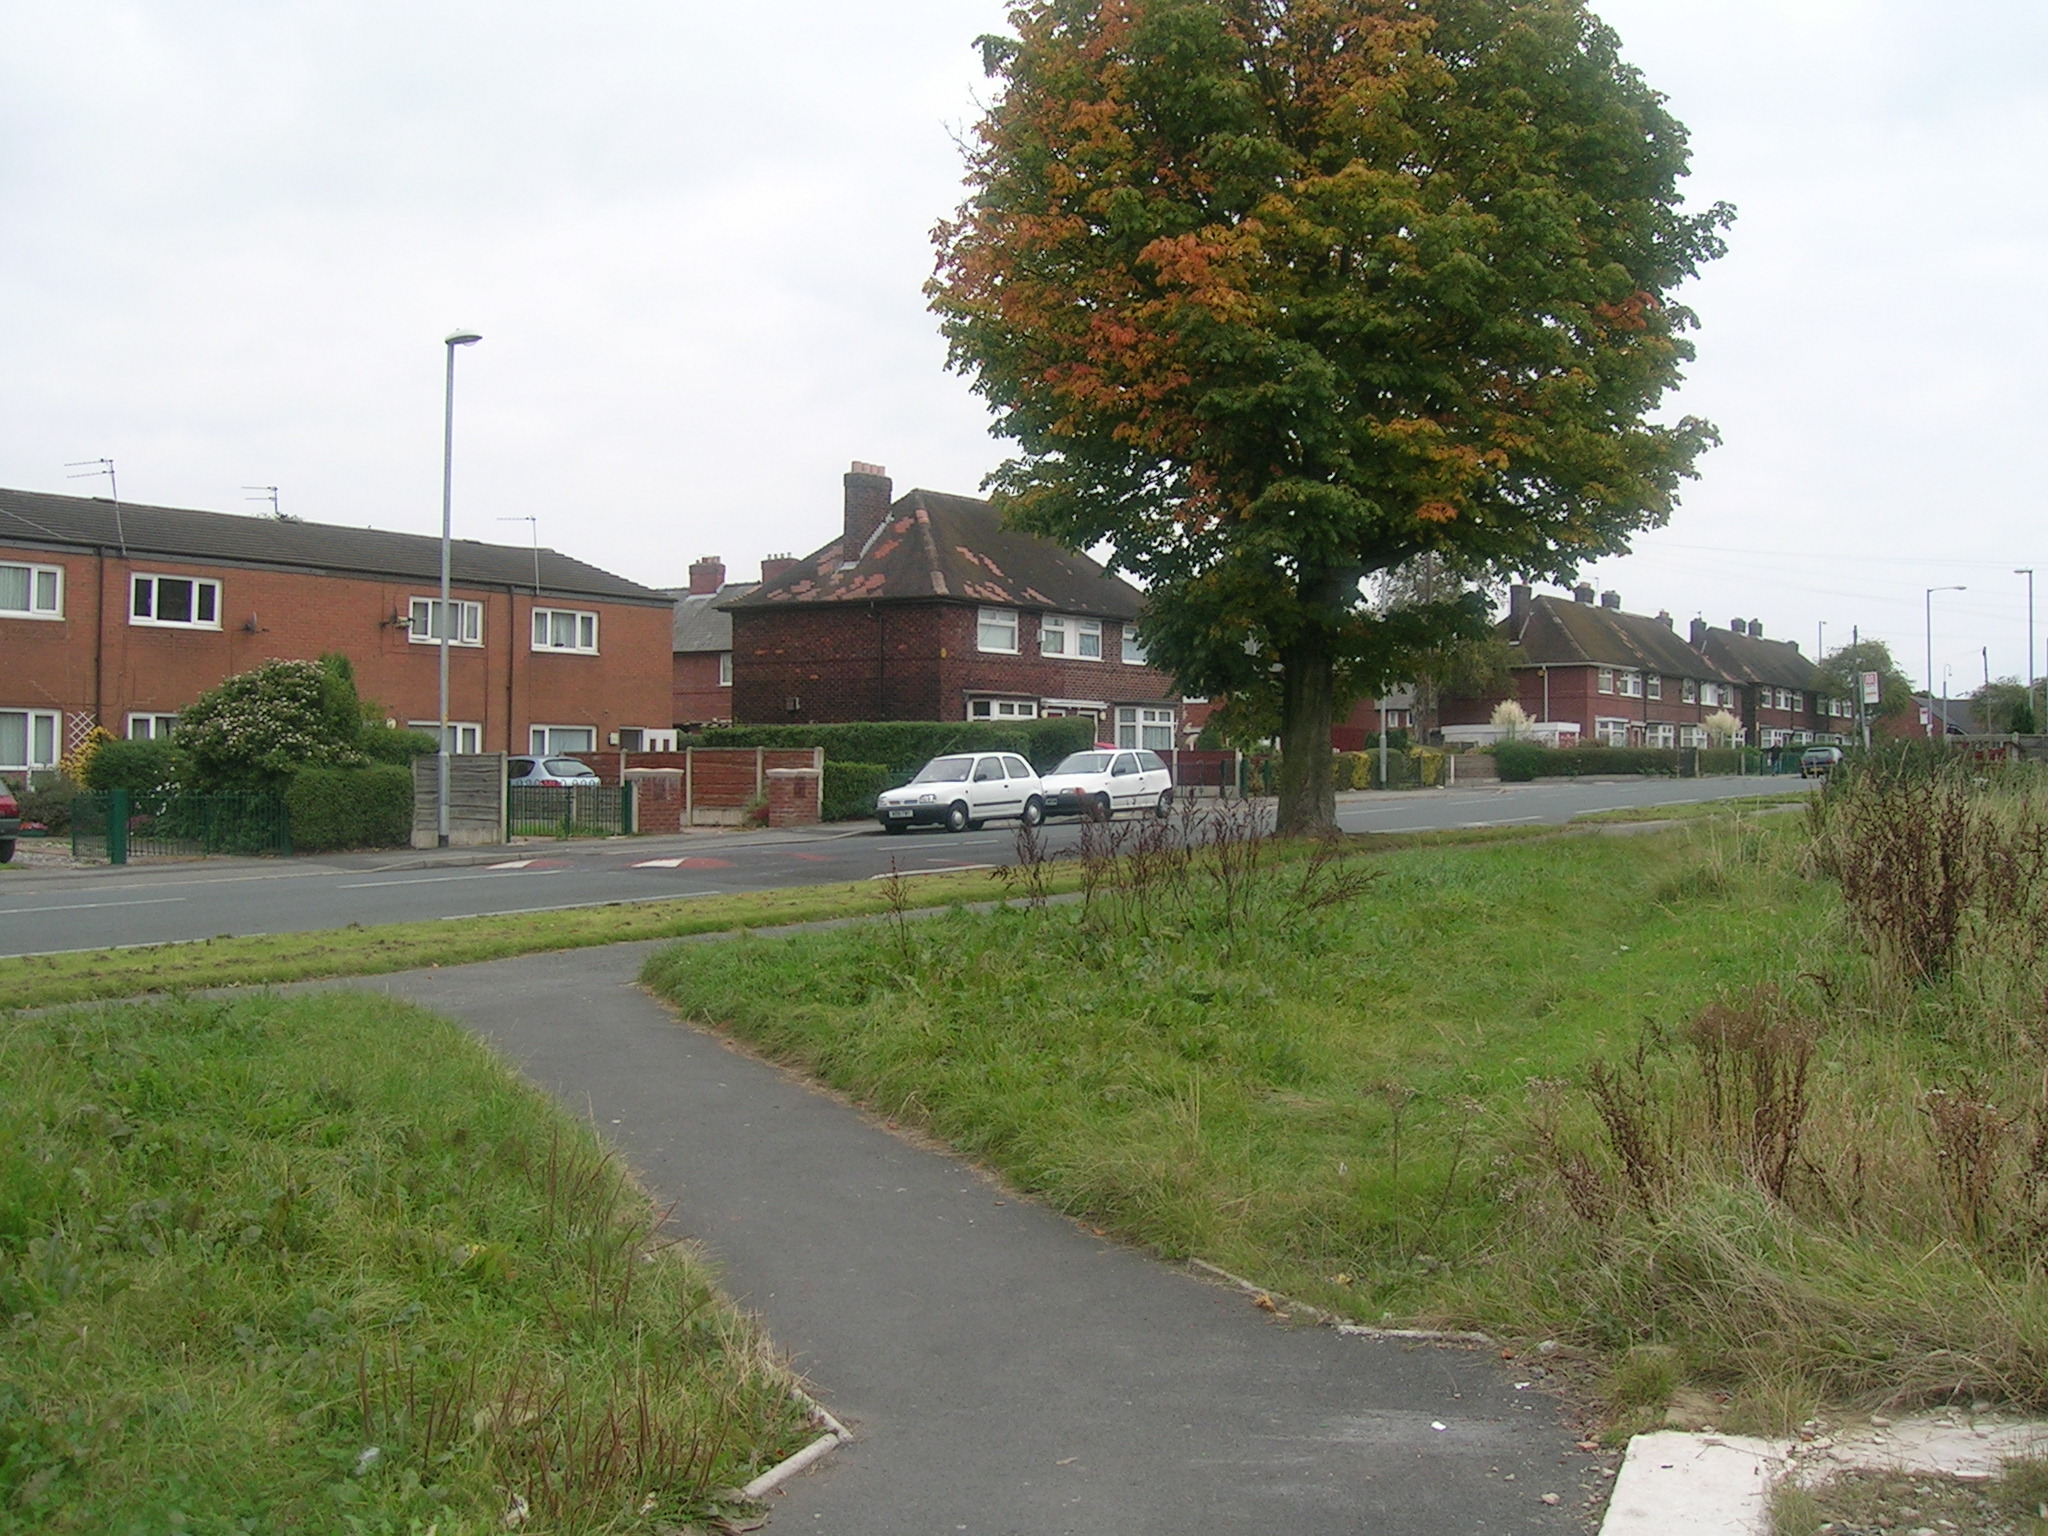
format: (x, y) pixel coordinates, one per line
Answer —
(1520, 761)
(367, 807)
(850, 789)
(904, 746)
(395, 744)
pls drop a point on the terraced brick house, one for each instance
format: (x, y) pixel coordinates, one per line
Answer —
(925, 607)
(1782, 696)
(121, 615)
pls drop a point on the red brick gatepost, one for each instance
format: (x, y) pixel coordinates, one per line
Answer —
(793, 796)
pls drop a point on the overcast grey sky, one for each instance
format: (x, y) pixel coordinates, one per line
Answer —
(694, 237)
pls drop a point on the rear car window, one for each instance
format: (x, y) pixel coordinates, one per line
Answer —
(569, 768)
(1019, 769)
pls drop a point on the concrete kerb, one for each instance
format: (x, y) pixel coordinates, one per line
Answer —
(835, 1435)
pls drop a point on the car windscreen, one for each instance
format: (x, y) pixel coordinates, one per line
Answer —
(569, 768)
(944, 770)
(1083, 762)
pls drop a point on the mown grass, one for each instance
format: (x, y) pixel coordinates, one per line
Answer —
(322, 1264)
(32, 981)
(1385, 1106)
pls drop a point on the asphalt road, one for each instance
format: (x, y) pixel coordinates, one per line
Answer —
(51, 910)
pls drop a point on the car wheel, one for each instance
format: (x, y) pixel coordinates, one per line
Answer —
(1097, 809)
(1034, 811)
(956, 817)
(1164, 808)
(894, 828)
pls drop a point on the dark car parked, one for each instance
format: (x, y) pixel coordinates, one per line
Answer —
(10, 822)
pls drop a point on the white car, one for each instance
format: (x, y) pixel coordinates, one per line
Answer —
(962, 790)
(1098, 784)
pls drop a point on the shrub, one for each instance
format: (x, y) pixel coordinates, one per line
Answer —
(1520, 761)
(904, 746)
(382, 743)
(151, 769)
(45, 801)
(1510, 719)
(261, 727)
(354, 807)
(850, 789)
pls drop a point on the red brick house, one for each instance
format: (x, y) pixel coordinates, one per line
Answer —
(1590, 672)
(700, 642)
(121, 615)
(926, 607)
(1783, 701)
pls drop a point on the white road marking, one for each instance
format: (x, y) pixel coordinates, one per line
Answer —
(660, 864)
(366, 885)
(80, 906)
(950, 869)
(570, 906)
(512, 864)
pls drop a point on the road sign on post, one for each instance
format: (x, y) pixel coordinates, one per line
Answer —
(1870, 688)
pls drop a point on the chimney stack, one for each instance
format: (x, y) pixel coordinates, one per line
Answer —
(775, 567)
(707, 575)
(1740, 626)
(1582, 593)
(1664, 618)
(1611, 600)
(1520, 598)
(868, 494)
(1699, 633)
(1756, 629)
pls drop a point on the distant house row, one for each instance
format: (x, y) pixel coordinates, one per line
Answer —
(919, 607)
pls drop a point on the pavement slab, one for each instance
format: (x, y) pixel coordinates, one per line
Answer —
(1004, 1371)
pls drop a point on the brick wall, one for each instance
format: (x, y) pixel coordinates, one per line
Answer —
(94, 662)
(699, 698)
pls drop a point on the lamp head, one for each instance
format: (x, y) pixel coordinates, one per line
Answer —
(463, 339)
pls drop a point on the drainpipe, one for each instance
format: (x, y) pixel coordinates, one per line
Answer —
(99, 637)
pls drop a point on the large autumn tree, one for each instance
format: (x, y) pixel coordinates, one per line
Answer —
(1277, 295)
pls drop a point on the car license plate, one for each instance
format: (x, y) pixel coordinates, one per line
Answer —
(899, 810)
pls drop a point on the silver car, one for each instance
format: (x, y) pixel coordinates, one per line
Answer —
(962, 790)
(550, 773)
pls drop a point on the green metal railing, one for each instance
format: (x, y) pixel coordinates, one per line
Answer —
(118, 826)
(532, 810)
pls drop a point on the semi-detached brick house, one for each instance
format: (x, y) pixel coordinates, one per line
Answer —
(1784, 700)
(928, 608)
(1602, 675)
(122, 615)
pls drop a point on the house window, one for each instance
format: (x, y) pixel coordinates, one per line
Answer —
(996, 630)
(1710, 694)
(1053, 638)
(151, 727)
(1134, 648)
(725, 669)
(1689, 690)
(469, 622)
(1606, 682)
(1662, 736)
(1610, 732)
(560, 740)
(1139, 725)
(1632, 685)
(183, 601)
(565, 629)
(28, 739)
(1655, 686)
(31, 592)
(462, 736)
(1691, 736)
(1002, 709)
(1798, 702)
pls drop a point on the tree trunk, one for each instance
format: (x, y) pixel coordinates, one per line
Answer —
(1308, 793)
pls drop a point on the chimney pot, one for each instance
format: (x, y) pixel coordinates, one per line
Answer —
(1520, 597)
(1740, 626)
(1699, 633)
(775, 567)
(707, 575)
(1610, 600)
(1756, 629)
(1582, 593)
(868, 494)
(1664, 618)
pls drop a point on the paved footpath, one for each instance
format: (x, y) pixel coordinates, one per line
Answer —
(1004, 1372)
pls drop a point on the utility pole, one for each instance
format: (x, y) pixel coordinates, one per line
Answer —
(1862, 704)
(2037, 709)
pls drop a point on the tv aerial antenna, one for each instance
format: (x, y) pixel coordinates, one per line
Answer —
(92, 469)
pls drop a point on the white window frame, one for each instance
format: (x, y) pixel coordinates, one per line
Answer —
(1653, 685)
(469, 622)
(539, 743)
(1662, 736)
(1001, 621)
(1603, 682)
(199, 584)
(40, 756)
(725, 669)
(1631, 684)
(466, 737)
(1610, 731)
(39, 577)
(1002, 709)
(1052, 635)
(582, 624)
(1134, 648)
(1145, 727)
(1692, 736)
(1689, 690)
(152, 727)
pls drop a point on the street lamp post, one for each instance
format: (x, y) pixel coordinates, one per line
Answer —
(2032, 708)
(1930, 657)
(454, 340)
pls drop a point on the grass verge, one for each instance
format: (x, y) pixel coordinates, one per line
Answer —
(33, 981)
(1651, 1096)
(321, 1263)
(2013, 1503)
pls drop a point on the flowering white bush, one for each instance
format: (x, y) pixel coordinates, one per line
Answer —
(1722, 728)
(260, 727)
(1511, 720)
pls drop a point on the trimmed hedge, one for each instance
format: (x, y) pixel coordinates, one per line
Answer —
(382, 743)
(904, 746)
(1520, 761)
(146, 767)
(850, 789)
(367, 807)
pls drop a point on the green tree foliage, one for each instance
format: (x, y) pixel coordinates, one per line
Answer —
(260, 727)
(146, 769)
(2005, 706)
(1843, 671)
(1275, 295)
